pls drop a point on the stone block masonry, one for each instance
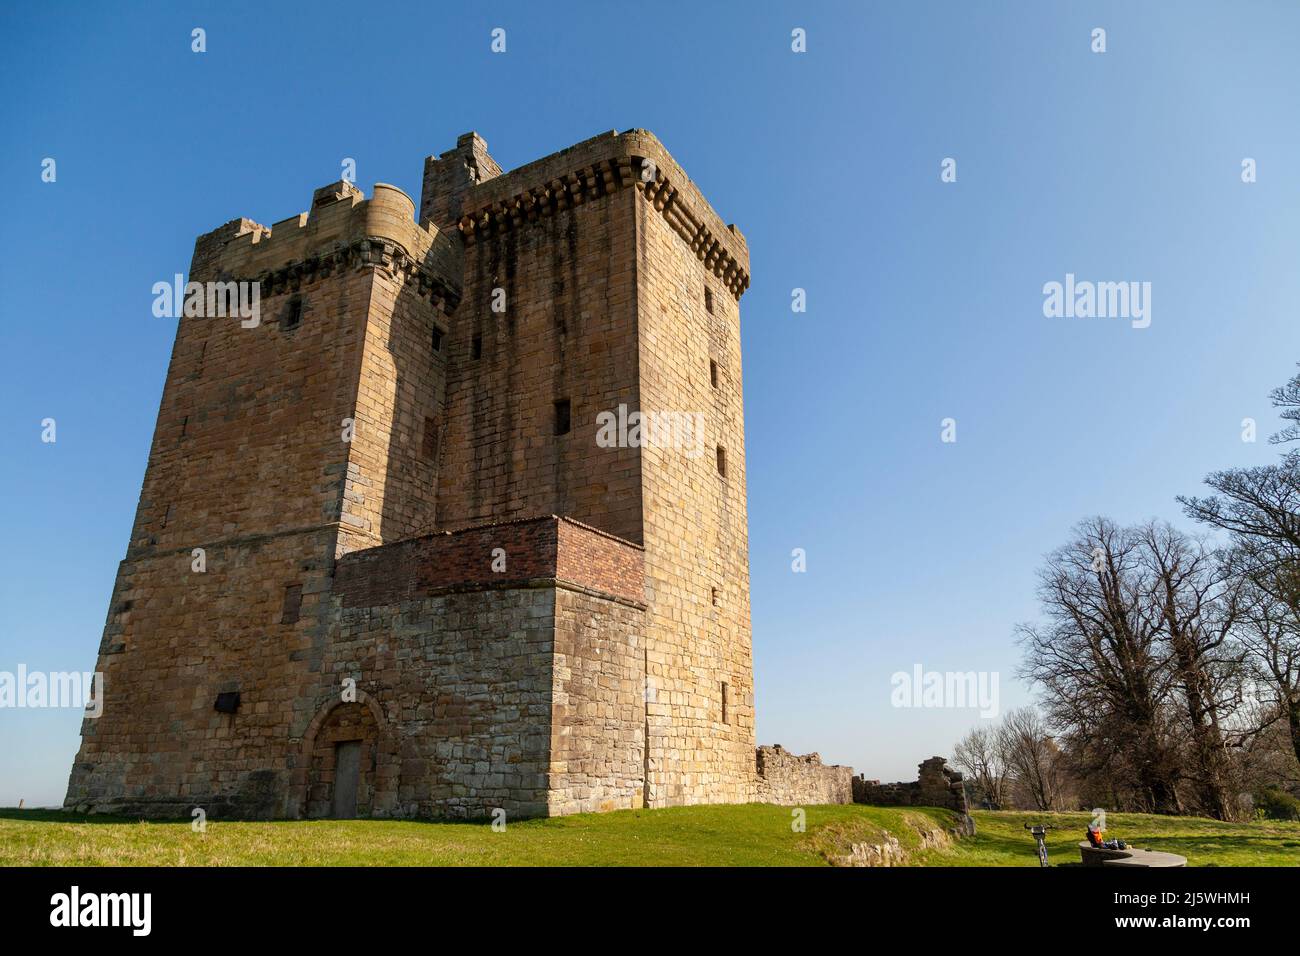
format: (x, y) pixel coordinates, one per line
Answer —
(937, 785)
(382, 519)
(794, 780)
(523, 693)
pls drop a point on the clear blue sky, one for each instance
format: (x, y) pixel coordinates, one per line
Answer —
(924, 298)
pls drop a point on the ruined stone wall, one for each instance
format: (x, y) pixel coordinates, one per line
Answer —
(795, 779)
(936, 785)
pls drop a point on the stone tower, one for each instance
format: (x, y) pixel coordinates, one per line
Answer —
(403, 548)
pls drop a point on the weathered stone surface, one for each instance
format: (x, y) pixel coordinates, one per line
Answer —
(889, 851)
(791, 780)
(370, 476)
(1130, 857)
(936, 785)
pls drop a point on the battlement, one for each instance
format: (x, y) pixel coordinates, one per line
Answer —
(491, 203)
(341, 229)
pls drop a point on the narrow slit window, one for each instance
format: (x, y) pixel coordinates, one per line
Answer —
(562, 417)
(292, 604)
(713, 373)
(725, 715)
(476, 347)
(708, 300)
(429, 448)
(436, 339)
(716, 598)
(722, 461)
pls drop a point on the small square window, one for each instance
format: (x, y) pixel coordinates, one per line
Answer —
(437, 339)
(722, 461)
(562, 420)
(227, 702)
(292, 317)
(476, 347)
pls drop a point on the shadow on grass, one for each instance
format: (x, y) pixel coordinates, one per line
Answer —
(58, 816)
(69, 816)
(1014, 847)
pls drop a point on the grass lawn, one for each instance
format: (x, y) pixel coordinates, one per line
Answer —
(1001, 839)
(746, 835)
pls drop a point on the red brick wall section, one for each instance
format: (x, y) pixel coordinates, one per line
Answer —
(600, 562)
(544, 548)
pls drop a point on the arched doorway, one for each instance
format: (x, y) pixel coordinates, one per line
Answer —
(345, 755)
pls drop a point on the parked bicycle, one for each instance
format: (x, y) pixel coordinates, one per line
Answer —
(1039, 830)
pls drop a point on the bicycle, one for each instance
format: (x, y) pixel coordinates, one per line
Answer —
(1039, 831)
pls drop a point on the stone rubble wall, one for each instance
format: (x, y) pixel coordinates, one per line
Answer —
(526, 700)
(791, 779)
(889, 851)
(936, 786)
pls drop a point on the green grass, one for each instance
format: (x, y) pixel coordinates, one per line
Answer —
(1001, 839)
(746, 835)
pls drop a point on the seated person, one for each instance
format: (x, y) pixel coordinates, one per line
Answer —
(1095, 839)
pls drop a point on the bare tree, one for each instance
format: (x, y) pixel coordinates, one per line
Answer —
(1269, 630)
(980, 758)
(1260, 508)
(1100, 661)
(1195, 600)
(1259, 505)
(1287, 398)
(1033, 757)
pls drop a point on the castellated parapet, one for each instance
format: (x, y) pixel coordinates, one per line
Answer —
(381, 565)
